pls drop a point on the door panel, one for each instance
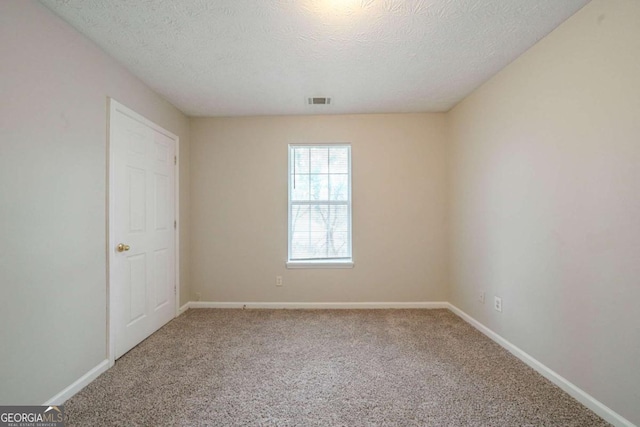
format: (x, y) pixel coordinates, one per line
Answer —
(136, 287)
(143, 203)
(161, 279)
(161, 199)
(137, 199)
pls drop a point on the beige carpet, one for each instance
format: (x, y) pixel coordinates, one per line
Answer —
(322, 368)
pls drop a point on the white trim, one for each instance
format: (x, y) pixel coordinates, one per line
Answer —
(348, 203)
(571, 389)
(178, 225)
(184, 308)
(319, 264)
(111, 242)
(319, 305)
(78, 385)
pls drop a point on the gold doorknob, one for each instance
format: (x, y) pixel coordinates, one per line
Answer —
(122, 247)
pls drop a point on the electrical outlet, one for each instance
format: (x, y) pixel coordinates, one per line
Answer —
(497, 304)
(278, 280)
(481, 297)
(198, 296)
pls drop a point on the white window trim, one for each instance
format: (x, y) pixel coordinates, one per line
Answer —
(319, 263)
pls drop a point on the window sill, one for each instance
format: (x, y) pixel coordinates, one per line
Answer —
(319, 264)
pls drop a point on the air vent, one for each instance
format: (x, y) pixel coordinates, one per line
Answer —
(319, 101)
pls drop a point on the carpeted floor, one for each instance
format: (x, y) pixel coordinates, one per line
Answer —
(322, 368)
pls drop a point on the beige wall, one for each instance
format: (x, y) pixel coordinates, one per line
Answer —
(545, 196)
(54, 85)
(239, 203)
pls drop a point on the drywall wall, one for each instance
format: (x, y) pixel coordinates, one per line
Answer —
(239, 209)
(545, 202)
(54, 85)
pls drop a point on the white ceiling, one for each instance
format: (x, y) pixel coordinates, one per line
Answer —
(250, 57)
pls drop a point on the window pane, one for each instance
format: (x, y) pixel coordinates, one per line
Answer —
(319, 187)
(318, 244)
(300, 245)
(319, 160)
(300, 218)
(300, 187)
(339, 160)
(319, 218)
(338, 245)
(339, 187)
(339, 218)
(300, 163)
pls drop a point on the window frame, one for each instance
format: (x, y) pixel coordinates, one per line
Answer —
(346, 262)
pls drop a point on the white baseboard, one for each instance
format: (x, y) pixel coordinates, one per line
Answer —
(184, 308)
(317, 305)
(571, 389)
(78, 385)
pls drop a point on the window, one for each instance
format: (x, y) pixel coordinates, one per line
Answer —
(320, 206)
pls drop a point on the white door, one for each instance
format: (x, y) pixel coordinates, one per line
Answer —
(142, 228)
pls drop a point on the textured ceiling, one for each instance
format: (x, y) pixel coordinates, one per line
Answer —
(248, 57)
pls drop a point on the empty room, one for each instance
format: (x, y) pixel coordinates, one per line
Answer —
(320, 213)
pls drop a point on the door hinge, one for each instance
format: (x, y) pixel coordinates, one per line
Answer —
(175, 224)
(175, 160)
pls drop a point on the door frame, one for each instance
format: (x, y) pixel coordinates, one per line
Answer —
(113, 107)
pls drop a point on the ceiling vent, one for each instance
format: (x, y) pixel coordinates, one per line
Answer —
(319, 101)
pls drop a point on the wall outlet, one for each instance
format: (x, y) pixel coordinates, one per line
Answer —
(278, 280)
(497, 304)
(198, 296)
(481, 297)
